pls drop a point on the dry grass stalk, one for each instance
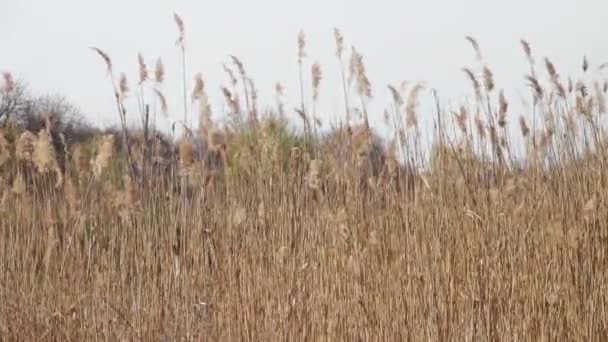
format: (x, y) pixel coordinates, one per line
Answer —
(600, 98)
(264, 252)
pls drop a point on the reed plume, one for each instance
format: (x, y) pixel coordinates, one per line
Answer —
(554, 77)
(411, 106)
(474, 82)
(181, 30)
(143, 69)
(105, 57)
(475, 46)
(159, 72)
(164, 108)
(105, 152)
(24, 148)
(503, 107)
(123, 86)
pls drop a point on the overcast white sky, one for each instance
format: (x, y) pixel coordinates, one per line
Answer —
(45, 43)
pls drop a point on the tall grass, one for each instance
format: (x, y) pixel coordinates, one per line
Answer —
(252, 232)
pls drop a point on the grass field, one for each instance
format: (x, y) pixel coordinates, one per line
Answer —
(252, 232)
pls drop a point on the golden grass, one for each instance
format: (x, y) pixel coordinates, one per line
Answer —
(252, 233)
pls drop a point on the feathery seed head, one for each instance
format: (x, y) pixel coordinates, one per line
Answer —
(357, 72)
(527, 50)
(105, 152)
(181, 30)
(316, 79)
(105, 57)
(339, 43)
(143, 69)
(159, 71)
(80, 160)
(461, 119)
(239, 66)
(123, 86)
(474, 82)
(488, 79)
(186, 156)
(301, 46)
(475, 46)
(503, 106)
(44, 156)
(217, 140)
(411, 106)
(231, 76)
(24, 148)
(232, 101)
(397, 99)
(199, 87)
(536, 88)
(554, 76)
(164, 108)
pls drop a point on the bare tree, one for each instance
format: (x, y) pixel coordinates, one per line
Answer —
(13, 102)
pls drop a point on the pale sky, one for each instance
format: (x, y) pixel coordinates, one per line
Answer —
(46, 43)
